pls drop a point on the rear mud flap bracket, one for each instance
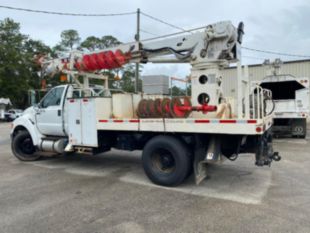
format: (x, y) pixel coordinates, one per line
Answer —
(205, 152)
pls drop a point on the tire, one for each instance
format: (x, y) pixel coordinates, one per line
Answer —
(166, 160)
(68, 154)
(23, 148)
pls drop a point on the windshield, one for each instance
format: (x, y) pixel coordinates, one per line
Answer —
(52, 98)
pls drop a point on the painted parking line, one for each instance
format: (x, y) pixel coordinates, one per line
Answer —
(238, 181)
(241, 184)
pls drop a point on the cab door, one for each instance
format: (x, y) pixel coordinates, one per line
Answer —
(49, 115)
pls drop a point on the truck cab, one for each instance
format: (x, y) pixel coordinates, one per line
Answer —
(46, 124)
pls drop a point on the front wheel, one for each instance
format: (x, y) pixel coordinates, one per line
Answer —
(166, 160)
(23, 148)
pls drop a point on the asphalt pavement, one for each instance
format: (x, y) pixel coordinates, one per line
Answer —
(110, 193)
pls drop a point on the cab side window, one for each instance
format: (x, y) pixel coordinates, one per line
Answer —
(53, 98)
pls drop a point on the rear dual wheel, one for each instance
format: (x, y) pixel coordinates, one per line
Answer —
(166, 160)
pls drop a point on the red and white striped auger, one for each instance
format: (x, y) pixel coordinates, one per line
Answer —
(89, 62)
(102, 60)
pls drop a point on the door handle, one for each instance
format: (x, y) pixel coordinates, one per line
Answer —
(59, 113)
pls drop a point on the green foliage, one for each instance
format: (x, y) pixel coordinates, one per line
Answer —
(70, 39)
(18, 72)
(127, 82)
(177, 91)
(109, 41)
(92, 43)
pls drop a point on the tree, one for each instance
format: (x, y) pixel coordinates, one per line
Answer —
(70, 39)
(109, 41)
(127, 83)
(56, 49)
(18, 72)
(177, 91)
(34, 48)
(92, 43)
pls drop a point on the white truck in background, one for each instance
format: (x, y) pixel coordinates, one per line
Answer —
(290, 102)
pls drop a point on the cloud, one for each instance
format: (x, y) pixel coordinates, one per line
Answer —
(269, 25)
(284, 30)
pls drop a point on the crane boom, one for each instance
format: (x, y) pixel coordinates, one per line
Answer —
(217, 43)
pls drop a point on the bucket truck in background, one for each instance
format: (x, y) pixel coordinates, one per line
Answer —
(290, 100)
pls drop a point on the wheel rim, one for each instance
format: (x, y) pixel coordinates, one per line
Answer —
(26, 146)
(163, 161)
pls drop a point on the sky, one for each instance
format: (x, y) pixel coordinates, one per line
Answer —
(281, 26)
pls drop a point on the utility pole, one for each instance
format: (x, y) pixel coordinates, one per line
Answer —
(137, 38)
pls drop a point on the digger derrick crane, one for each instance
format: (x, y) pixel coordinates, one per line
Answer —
(207, 51)
(217, 43)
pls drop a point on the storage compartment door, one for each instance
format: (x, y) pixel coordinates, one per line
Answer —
(89, 127)
(74, 121)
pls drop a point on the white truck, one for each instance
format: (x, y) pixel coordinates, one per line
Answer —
(13, 114)
(290, 101)
(177, 135)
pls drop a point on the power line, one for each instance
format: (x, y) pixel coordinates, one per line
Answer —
(146, 15)
(276, 53)
(91, 15)
(66, 13)
(164, 22)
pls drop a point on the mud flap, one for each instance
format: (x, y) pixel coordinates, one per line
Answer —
(205, 152)
(200, 168)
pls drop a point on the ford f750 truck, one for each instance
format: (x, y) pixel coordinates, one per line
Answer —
(176, 135)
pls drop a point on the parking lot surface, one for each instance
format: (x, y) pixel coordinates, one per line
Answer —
(110, 193)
